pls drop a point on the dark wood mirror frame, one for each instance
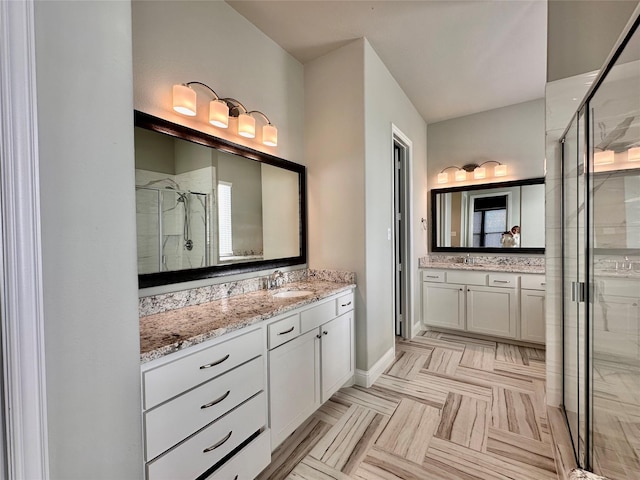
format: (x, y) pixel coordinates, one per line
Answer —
(485, 186)
(156, 124)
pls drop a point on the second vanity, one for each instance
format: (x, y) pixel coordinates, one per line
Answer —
(225, 382)
(506, 301)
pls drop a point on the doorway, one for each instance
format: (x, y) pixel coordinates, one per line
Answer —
(401, 235)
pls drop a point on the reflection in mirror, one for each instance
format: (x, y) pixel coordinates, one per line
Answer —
(616, 209)
(211, 211)
(507, 216)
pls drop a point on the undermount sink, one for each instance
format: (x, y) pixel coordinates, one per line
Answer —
(292, 293)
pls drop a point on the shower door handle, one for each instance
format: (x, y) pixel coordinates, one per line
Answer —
(577, 292)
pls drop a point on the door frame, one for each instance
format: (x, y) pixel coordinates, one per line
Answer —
(24, 406)
(397, 136)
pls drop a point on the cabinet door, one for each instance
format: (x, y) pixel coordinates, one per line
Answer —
(336, 354)
(443, 305)
(492, 311)
(532, 315)
(294, 384)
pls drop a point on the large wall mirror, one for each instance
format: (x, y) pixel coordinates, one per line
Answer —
(206, 207)
(505, 217)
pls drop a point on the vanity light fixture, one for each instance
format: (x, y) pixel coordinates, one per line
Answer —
(606, 157)
(633, 154)
(220, 109)
(479, 171)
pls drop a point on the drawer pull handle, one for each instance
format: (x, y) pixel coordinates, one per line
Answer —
(286, 331)
(213, 364)
(433, 276)
(543, 283)
(235, 478)
(345, 304)
(501, 281)
(218, 444)
(216, 401)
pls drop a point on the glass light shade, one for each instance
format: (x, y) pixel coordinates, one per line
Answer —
(184, 100)
(500, 171)
(603, 158)
(633, 154)
(479, 173)
(246, 125)
(270, 135)
(461, 175)
(443, 177)
(219, 114)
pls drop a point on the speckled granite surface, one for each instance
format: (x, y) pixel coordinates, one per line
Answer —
(195, 296)
(173, 330)
(485, 263)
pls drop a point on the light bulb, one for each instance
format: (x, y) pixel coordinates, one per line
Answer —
(219, 114)
(184, 100)
(246, 125)
(270, 135)
(461, 175)
(479, 173)
(443, 177)
(500, 170)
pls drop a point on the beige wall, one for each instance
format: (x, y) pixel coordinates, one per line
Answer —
(208, 41)
(351, 102)
(85, 143)
(580, 34)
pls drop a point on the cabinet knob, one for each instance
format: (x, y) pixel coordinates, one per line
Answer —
(461, 289)
(325, 332)
(318, 336)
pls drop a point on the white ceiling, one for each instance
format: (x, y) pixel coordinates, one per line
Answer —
(451, 57)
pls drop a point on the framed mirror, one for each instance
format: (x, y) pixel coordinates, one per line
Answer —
(206, 207)
(506, 217)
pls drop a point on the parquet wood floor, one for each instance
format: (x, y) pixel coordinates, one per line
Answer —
(449, 407)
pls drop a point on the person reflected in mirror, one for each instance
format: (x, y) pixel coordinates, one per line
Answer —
(515, 233)
(506, 240)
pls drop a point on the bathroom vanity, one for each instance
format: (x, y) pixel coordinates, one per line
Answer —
(501, 301)
(225, 382)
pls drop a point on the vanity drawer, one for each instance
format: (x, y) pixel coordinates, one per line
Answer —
(174, 421)
(503, 280)
(433, 276)
(283, 330)
(248, 462)
(465, 277)
(316, 316)
(171, 379)
(533, 282)
(200, 452)
(344, 304)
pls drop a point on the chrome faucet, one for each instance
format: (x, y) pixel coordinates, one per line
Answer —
(468, 260)
(275, 280)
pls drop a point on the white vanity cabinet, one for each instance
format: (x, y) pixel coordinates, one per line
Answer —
(204, 403)
(493, 309)
(489, 303)
(532, 308)
(304, 371)
(443, 304)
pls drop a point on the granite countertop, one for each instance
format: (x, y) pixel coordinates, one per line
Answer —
(513, 268)
(171, 331)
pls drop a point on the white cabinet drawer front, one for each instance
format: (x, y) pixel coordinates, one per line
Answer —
(248, 462)
(502, 280)
(344, 304)
(174, 421)
(284, 330)
(467, 278)
(316, 316)
(200, 452)
(433, 276)
(169, 380)
(533, 282)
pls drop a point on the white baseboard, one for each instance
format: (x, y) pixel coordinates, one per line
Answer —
(366, 378)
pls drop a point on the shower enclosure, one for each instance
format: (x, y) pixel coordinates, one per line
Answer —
(172, 227)
(601, 269)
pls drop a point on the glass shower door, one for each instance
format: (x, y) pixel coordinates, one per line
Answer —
(574, 220)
